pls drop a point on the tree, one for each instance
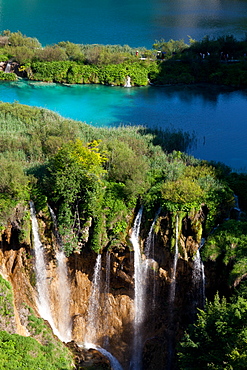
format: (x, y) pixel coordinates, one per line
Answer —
(72, 50)
(127, 167)
(74, 168)
(18, 39)
(52, 53)
(228, 245)
(218, 339)
(170, 47)
(22, 54)
(74, 185)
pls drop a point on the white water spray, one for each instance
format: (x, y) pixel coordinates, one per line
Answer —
(107, 306)
(127, 82)
(172, 295)
(43, 301)
(149, 262)
(150, 241)
(198, 277)
(115, 365)
(8, 68)
(94, 313)
(94, 304)
(174, 270)
(64, 319)
(139, 301)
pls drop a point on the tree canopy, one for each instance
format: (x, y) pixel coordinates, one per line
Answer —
(218, 339)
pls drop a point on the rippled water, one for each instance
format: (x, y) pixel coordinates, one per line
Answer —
(137, 23)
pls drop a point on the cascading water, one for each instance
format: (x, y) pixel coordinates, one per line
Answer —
(150, 241)
(172, 294)
(43, 301)
(8, 68)
(94, 305)
(139, 301)
(127, 82)
(114, 362)
(106, 313)
(64, 319)
(174, 270)
(149, 262)
(237, 208)
(198, 277)
(94, 313)
(115, 365)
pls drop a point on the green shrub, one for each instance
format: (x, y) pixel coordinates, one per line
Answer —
(6, 298)
(228, 244)
(7, 76)
(23, 353)
(3, 58)
(218, 338)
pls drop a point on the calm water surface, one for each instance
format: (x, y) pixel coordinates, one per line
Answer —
(133, 22)
(218, 118)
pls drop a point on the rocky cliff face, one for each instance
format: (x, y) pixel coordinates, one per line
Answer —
(165, 317)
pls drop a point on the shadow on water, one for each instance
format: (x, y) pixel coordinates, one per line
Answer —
(215, 116)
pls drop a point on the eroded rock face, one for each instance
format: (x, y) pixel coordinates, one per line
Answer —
(17, 269)
(164, 320)
(88, 358)
(114, 326)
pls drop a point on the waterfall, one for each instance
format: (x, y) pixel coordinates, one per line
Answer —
(150, 241)
(94, 314)
(236, 209)
(115, 365)
(64, 319)
(236, 202)
(114, 362)
(127, 82)
(43, 301)
(172, 294)
(149, 253)
(106, 312)
(8, 68)
(139, 294)
(174, 270)
(198, 278)
(94, 304)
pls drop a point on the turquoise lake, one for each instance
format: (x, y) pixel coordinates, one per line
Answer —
(132, 22)
(218, 118)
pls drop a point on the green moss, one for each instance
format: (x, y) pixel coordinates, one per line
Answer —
(6, 299)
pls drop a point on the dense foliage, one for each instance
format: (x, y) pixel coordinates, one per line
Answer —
(216, 61)
(227, 245)
(218, 338)
(93, 178)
